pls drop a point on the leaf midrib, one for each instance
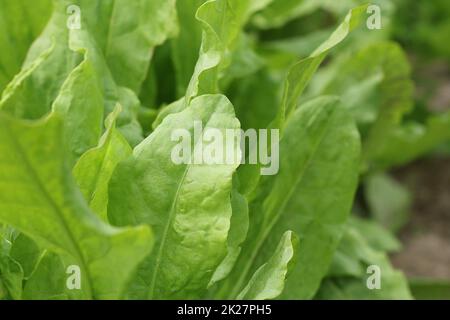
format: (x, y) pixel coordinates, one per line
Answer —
(170, 219)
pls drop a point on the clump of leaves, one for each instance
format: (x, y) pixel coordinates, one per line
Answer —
(85, 172)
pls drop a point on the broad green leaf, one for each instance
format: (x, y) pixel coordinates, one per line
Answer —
(51, 60)
(39, 198)
(21, 23)
(189, 214)
(94, 169)
(318, 152)
(268, 281)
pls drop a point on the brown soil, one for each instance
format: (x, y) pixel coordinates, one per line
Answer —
(426, 238)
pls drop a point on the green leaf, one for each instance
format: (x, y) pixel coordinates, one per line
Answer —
(295, 83)
(129, 33)
(325, 160)
(189, 214)
(27, 253)
(186, 46)
(83, 113)
(11, 277)
(125, 33)
(22, 96)
(39, 197)
(377, 83)
(44, 274)
(301, 73)
(222, 21)
(20, 23)
(50, 61)
(268, 281)
(48, 281)
(236, 236)
(94, 169)
(377, 86)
